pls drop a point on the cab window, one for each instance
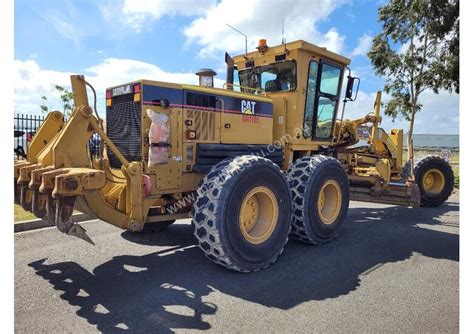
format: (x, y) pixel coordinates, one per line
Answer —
(276, 77)
(330, 79)
(325, 117)
(327, 100)
(310, 98)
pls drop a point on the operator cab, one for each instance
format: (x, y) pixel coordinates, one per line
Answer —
(307, 76)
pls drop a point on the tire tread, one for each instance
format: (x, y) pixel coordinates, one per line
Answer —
(205, 210)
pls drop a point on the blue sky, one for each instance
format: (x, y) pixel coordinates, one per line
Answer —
(112, 42)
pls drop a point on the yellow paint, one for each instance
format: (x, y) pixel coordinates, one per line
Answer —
(244, 129)
(226, 92)
(329, 202)
(258, 215)
(52, 124)
(433, 181)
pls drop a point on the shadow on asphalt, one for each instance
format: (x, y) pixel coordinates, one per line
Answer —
(166, 289)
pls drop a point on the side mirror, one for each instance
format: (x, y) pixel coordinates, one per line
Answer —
(350, 88)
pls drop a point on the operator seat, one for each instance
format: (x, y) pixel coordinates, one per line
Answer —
(272, 86)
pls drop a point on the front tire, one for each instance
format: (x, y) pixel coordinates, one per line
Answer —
(241, 217)
(320, 193)
(435, 178)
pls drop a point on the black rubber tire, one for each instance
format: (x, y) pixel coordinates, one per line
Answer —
(306, 177)
(216, 213)
(433, 162)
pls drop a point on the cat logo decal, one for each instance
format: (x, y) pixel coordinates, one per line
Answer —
(248, 107)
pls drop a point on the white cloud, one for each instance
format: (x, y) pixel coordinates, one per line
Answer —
(67, 29)
(363, 47)
(256, 18)
(114, 71)
(262, 19)
(68, 22)
(31, 82)
(439, 114)
(139, 13)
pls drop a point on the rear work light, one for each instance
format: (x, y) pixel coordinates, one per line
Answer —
(108, 97)
(137, 88)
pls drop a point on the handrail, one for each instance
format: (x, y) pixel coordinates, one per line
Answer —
(259, 91)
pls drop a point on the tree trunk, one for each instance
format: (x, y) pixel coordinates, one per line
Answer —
(410, 144)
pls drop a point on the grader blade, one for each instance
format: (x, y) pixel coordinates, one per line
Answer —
(404, 194)
(64, 221)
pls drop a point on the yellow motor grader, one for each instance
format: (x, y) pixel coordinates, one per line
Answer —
(263, 158)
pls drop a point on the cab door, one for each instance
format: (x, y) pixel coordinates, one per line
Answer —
(323, 90)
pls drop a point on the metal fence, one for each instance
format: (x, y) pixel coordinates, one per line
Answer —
(25, 127)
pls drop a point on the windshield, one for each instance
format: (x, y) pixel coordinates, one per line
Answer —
(276, 77)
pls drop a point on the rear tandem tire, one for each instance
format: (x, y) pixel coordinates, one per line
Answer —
(320, 193)
(241, 217)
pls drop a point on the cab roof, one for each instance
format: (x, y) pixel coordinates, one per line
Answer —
(297, 45)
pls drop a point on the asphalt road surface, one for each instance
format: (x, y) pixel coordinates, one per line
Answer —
(392, 269)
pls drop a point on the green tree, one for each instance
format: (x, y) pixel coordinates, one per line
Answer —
(416, 50)
(66, 97)
(44, 108)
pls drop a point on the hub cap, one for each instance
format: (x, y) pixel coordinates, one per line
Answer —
(433, 181)
(258, 215)
(329, 202)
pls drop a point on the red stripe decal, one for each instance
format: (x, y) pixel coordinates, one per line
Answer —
(227, 111)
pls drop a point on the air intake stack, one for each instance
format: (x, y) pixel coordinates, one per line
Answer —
(206, 77)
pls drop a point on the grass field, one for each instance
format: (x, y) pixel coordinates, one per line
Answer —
(22, 215)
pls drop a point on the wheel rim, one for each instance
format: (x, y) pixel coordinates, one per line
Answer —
(433, 181)
(329, 202)
(258, 215)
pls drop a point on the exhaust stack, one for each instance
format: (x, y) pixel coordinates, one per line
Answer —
(230, 71)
